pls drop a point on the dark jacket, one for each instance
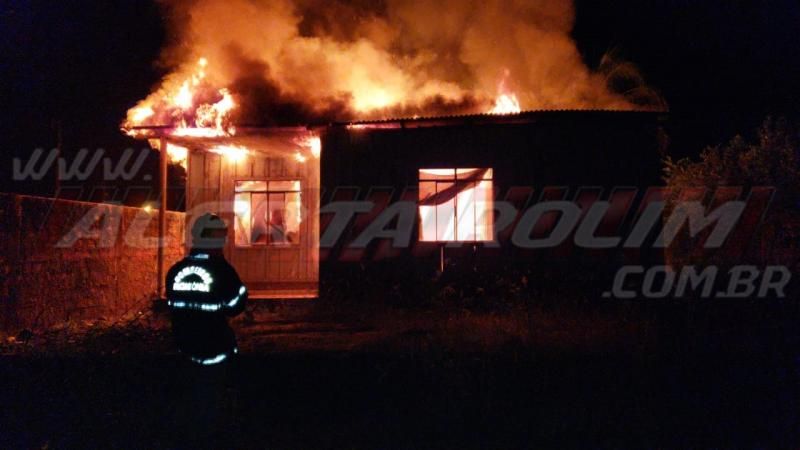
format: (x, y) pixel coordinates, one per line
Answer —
(202, 291)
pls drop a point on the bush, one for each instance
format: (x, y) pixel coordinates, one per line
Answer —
(773, 160)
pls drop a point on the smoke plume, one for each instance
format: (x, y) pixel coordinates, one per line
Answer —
(294, 61)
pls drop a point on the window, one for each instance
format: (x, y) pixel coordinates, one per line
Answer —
(456, 205)
(267, 213)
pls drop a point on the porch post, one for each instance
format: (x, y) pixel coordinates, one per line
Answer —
(162, 214)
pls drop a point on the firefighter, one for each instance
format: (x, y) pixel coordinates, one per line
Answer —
(202, 291)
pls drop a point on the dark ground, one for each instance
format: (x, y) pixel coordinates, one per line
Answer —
(425, 379)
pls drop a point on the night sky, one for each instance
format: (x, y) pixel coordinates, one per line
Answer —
(721, 65)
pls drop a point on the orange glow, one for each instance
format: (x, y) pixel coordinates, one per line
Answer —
(236, 60)
(177, 154)
(141, 113)
(312, 143)
(456, 205)
(233, 153)
(183, 99)
(213, 116)
(189, 104)
(506, 104)
(201, 132)
(267, 212)
(299, 157)
(370, 98)
(506, 101)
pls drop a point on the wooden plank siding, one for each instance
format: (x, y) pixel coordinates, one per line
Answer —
(210, 185)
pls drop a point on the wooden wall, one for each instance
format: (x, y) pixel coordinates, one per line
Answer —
(210, 188)
(564, 151)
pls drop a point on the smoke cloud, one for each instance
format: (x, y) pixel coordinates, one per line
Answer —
(296, 61)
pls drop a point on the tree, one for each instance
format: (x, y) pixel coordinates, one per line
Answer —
(773, 160)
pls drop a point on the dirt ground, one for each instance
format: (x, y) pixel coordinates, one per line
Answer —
(412, 379)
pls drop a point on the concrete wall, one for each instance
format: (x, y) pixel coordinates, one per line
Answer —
(51, 274)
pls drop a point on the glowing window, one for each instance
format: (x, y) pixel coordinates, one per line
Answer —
(267, 213)
(456, 205)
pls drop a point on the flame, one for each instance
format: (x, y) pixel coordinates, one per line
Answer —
(286, 62)
(189, 105)
(311, 143)
(176, 153)
(316, 147)
(183, 99)
(199, 132)
(141, 113)
(233, 153)
(506, 104)
(213, 116)
(299, 157)
(506, 101)
(369, 99)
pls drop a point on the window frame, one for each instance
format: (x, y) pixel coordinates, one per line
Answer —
(439, 179)
(267, 192)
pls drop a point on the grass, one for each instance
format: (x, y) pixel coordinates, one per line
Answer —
(540, 374)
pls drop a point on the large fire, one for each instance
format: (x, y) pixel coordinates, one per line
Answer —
(506, 104)
(194, 118)
(506, 101)
(191, 107)
(177, 154)
(292, 62)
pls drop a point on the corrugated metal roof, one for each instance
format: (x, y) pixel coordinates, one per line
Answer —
(421, 121)
(521, 117)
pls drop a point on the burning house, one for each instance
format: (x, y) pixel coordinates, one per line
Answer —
(431, 189)
(320, 145)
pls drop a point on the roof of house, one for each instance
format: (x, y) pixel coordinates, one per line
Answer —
(486, 118)
(284, 138)
(433, 121)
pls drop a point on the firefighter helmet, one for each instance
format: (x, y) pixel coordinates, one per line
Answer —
(209, 231)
